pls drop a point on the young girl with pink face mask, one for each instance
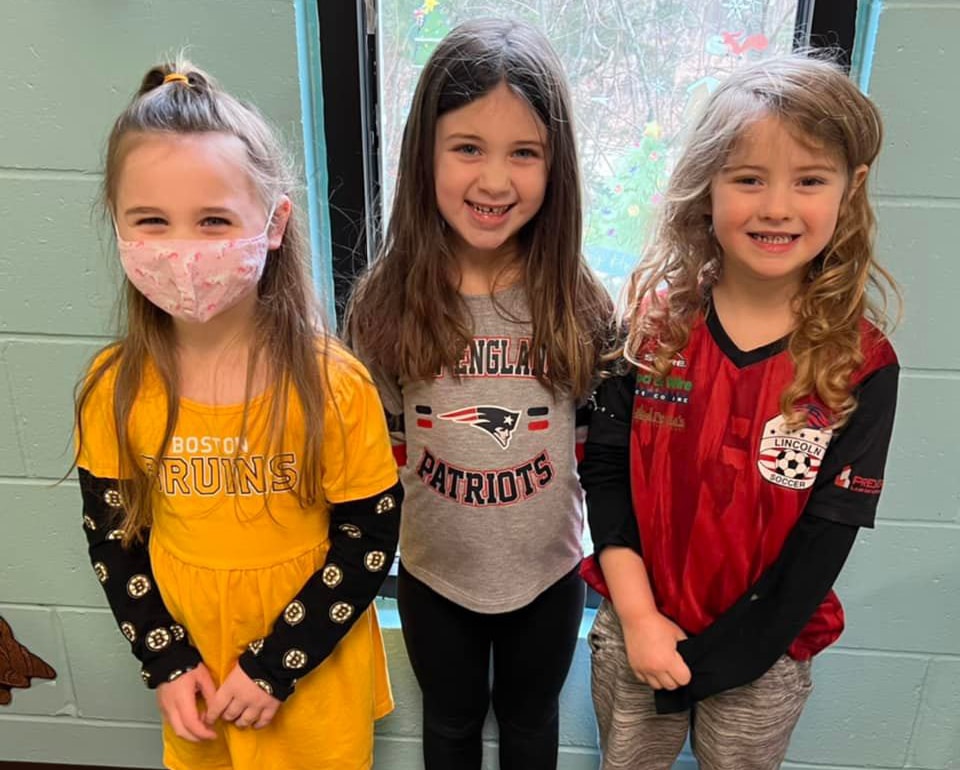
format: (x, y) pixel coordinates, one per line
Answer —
(240, 498)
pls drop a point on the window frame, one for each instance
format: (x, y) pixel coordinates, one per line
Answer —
(348, 62)
(348, 48)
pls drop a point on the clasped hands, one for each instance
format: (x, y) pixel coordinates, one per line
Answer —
(239, 700)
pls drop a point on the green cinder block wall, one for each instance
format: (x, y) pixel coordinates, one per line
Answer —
(888, 696)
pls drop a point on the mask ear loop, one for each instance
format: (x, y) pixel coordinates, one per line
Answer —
(273, 210)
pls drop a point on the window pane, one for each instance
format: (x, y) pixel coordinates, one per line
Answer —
(637, 70)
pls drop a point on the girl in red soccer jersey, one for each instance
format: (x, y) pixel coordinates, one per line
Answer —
(728, 468)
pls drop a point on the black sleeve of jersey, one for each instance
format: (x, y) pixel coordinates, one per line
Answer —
(395, 424)
(582, 416)
(850, 478)
(605, 467)
(743, 643)
(156, 639)
(363, 542)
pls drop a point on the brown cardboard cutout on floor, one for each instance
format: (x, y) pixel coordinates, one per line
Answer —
(18, 665)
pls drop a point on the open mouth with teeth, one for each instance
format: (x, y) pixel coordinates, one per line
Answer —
(489, 211)
(774, 239)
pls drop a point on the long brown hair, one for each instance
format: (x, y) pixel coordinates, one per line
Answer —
(286, 336)
(405, 317)
(815, 99)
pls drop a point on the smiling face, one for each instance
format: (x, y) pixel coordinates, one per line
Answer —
(775, 203)
(189, 191)
(190, 186)
(490, 171)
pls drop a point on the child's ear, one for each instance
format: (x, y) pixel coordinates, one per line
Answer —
(278, 225)
(858, 177)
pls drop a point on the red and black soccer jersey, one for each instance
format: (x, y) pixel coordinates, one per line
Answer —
(718, 483)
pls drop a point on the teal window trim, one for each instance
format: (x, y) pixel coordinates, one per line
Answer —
(868, 25)
(315, 152)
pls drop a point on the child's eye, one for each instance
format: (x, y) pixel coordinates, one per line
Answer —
(527, 152)
(150, 221)
(747, 180)
(215, 222)
(467, 149)
(812, 181)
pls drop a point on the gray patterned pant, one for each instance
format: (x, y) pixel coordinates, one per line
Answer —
(747, 728)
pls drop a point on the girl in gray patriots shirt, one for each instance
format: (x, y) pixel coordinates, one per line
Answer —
(483, 327)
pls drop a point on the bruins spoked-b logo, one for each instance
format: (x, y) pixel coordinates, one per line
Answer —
(500, 423)
(792, 459)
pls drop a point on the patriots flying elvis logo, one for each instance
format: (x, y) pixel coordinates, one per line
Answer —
(500, 423)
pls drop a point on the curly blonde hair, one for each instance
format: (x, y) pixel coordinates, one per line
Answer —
(816, 100)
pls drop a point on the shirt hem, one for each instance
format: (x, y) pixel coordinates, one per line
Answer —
(455, 595)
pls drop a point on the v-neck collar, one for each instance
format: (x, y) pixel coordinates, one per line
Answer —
(739, 358)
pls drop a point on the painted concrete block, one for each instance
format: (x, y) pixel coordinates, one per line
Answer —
(392, 753)
(56, 117)
(578, 726)
(915, 61)
(43, 373)
(405, 721)
(862, 710)
(69, 285)
(936, 738)
(106, 676)
(43, 553)
(921, 479)
(38, 630)
(900, 589)
(912, 244)
(81, 742)
(11, 458)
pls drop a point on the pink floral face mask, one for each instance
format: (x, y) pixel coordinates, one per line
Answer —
(194, 280)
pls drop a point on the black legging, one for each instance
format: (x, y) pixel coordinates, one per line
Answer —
(449, 648)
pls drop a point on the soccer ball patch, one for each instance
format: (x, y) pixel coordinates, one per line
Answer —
(791, 459)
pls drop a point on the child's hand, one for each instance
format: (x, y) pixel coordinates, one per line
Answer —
(651, 642)
(178, 704)
(242, 702)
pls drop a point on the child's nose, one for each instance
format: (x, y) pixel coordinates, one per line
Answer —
(494, 177)
(776, 204)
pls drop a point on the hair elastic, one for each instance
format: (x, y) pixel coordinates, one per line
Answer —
(174, 77)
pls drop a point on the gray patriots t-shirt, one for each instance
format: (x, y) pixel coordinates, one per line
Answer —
(493, 511)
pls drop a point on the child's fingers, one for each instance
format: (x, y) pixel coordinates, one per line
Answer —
(173, 717)
(205, 684)
(193, 724)
(266, 716)
(233, 710)
(680, 671)
(667, 681)
(216, 705)
(653, 681)
(249, 716)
